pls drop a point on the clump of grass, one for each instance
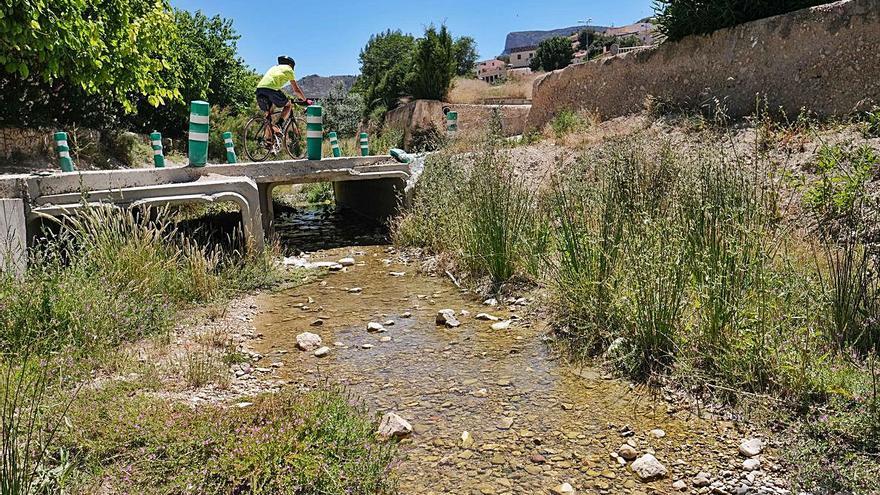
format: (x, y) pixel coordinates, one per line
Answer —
(871, 126)
(313, 443)
(483, 213)
(567, 122)
(495, 219)
(203, 367)
(29, 426)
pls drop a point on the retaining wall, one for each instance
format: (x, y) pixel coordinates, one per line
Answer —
(825, 59)
(422, 114)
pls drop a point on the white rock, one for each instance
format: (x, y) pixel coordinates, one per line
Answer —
(501, 325)
(308, 341)
(375, 327)
(491, 302)
(647, 467)
(751, 464)
(367, 346)
(385, 339)
(657, 433)
(486, 317)
(322, 351)
(563, 489)
(679, 485)
(393, 425)
(346, 262)
(751, 447)
(355, 290)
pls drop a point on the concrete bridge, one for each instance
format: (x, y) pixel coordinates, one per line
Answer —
(372, 186)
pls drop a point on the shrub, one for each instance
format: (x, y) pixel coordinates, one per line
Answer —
(343, 111)
(679, 18)
(434, 65)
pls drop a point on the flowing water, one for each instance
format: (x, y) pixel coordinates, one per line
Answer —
(534, 422)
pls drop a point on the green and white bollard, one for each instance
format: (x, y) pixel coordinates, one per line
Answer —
(158, 155)
(199, 124)
(63, 150)
(451, 124)
(334, 143)
(230, 148)
(314, 132)
(365, 144)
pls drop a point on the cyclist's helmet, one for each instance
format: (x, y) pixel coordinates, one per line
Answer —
(285, 60)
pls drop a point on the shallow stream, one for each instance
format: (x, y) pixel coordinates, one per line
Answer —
(534, 422)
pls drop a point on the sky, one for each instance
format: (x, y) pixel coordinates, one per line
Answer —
(325, 38)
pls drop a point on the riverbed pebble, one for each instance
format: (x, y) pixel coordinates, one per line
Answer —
(393, 425)
(375, 327)
(322, 351)
(346, 261)
(447, 317)
(308, 341)
(648, 468)
(751, 447)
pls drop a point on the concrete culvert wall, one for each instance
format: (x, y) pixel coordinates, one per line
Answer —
(824, 59)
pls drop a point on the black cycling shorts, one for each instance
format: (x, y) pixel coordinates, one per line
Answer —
(267, 97)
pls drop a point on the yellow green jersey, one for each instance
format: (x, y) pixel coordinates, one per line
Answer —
(277, 77)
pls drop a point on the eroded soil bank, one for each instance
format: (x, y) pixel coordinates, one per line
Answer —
(533, 422)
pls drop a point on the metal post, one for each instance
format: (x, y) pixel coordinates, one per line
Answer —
(365, 144)
(199, 124)
(334, 143)
(314, 132)
(158, 155)
(451, 124)
(230, 148)
(63, 150)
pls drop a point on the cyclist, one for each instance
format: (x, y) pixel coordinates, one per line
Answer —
(269, 91)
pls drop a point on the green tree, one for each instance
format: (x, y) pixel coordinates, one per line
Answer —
(385, 67)
(111, 47)
(465, 55)
(434, 65)
(679, 18)
(207, 68)
(552, 54)
(343, 111)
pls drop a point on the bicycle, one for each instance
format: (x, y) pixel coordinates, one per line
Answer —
(289, 140)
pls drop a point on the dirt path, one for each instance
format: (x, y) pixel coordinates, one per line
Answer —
(533, 423)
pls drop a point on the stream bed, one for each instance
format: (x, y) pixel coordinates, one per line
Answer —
(533, 421)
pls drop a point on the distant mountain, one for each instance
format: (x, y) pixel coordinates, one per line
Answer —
(316, 86)
(519, 39)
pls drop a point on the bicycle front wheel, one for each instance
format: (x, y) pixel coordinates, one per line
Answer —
(256, 146)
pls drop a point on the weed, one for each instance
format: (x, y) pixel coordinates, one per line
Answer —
(567, 122)
(871, 126)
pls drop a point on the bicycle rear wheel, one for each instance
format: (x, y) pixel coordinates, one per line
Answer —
(256, 147)
(293, 140)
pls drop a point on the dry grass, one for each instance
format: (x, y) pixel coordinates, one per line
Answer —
(475, 91)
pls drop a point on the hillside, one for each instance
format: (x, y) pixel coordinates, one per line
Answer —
(519, 39)
(315, 86)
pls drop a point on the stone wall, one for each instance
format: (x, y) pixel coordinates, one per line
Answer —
(825, 59)
(471, 118)
(25, 142)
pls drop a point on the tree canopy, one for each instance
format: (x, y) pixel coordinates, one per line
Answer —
(465, 55)
(552, 54)
(434, 65)
(112, 47)
(394, 65)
